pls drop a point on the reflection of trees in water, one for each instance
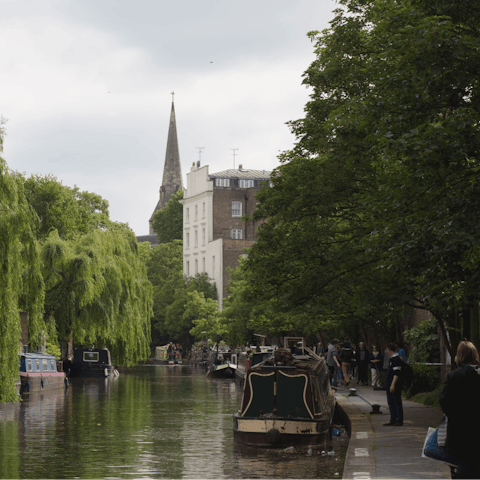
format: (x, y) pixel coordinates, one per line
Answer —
(158, 421)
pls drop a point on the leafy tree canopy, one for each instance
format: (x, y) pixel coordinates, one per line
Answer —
(377, 203)
(168, 222)
(22, 282)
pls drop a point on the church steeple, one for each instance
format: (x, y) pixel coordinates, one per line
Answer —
(172, 170)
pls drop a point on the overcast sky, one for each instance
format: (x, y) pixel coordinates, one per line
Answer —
(85, 86)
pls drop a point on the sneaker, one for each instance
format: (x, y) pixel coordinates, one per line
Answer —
(389, 424)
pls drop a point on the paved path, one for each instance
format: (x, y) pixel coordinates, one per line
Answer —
(376, 451)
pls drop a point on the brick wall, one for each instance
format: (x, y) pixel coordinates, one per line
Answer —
(223, 221)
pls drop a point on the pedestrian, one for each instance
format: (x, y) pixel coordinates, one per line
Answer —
(393, 386)
(331, 358)
(376, 365)
(338, 376)
(319, 349)
(346, 355)
(459, 401)
(363, 360)
(353, 367)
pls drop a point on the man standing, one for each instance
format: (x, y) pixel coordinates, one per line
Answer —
(332, 361)
(363, 358)
(393, 386)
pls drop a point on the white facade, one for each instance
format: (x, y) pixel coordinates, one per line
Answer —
(200, 253)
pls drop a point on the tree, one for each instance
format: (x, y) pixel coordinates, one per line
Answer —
(377, 203)
(204, 315)
(22, 283)
(68, 210)
(168, 221)
(97, 290)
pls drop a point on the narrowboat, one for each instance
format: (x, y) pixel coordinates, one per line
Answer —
(287, 400)
(91, 362)
(223, 364)
(39, 372)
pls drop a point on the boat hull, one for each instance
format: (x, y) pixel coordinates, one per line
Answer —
(222, 371)
(280, 432)
(40, 382)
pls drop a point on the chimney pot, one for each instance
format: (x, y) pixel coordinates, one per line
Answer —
(193, 164)
(240, 167)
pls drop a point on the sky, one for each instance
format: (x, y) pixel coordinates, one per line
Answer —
(86, 88)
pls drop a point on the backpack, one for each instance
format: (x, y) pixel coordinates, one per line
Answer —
(407, 374)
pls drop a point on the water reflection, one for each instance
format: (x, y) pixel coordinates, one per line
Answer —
(152, 422)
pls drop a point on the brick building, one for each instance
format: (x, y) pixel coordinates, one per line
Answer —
(214, 233)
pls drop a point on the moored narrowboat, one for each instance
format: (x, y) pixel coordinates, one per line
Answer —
(91, 362)
(39, 372)
(287, 400)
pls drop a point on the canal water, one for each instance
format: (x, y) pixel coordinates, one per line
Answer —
(150, 422)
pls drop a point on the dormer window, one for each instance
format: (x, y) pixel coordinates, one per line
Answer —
(222, 182)
(246, 183)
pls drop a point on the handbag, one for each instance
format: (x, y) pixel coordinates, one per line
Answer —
(432, 450)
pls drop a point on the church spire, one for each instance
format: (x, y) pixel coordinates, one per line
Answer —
(172, 170)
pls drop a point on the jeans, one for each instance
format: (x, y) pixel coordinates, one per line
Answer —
(395, 405)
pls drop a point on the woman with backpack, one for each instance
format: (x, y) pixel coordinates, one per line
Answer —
(346, 355)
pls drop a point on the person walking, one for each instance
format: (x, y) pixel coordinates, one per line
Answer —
(376, 365)
(363, 360)
(401, 351)
(346, 355)
(459, 401)
(332, 361)
(393, 386)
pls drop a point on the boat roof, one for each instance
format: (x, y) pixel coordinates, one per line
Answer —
(37, 355)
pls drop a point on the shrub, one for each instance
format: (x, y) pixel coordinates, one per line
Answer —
(426, 378)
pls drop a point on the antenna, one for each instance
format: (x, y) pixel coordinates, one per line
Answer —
(234, 150)
(172, 94)
(200, 152)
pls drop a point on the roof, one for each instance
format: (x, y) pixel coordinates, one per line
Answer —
(153, 239)
(237, 173)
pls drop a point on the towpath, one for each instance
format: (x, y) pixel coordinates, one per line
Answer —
(377, 451)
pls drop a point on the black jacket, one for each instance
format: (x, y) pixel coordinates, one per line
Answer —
(460, 400)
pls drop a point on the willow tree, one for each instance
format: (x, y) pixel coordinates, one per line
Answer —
(97, 291)
(21, 280)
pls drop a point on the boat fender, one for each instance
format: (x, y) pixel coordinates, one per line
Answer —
(273, 436)
(66, 381)
(28, 386)
(116, 373)
(106, 372)
(41, 382)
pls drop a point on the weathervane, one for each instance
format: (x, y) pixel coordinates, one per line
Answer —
(234, 150)
(200, 152)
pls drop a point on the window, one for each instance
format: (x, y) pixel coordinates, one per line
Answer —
(188, 240)
(236, 209)
(236, 234)
(196, 238)
(44, 364)
(196, 212)
(196, 267)
(246, 183)
(37, 365)
(203, 209)
(188, 214)
(188, 269)
(52, 365)
(29, 363)
(203, 264)
(203, 236)
(222, 182)
(90, 356)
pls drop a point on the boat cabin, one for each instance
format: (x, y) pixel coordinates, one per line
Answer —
(91, 362)
(37, 363)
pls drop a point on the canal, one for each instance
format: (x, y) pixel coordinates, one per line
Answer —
(150, 422)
